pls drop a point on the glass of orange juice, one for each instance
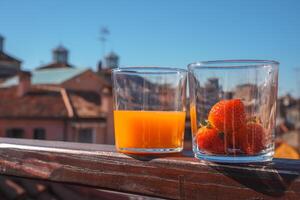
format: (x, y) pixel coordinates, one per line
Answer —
(149, 109)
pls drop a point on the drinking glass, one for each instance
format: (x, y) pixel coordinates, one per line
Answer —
(149, 109)
(233, 109)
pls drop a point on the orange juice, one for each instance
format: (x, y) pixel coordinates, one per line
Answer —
(148, 129)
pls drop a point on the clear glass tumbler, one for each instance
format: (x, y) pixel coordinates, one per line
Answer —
(149, 109)
(233, 109)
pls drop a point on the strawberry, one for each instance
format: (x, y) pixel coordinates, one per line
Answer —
(228, 116)
(211, 140)
(253, 138)
(232, 140)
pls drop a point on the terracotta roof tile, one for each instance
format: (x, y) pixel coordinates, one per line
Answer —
(34, 104)
(86, 104)
(43, 103)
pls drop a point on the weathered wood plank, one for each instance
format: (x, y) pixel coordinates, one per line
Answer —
(24, 188)
(172, 176)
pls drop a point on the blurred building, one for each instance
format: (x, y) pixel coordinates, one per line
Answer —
(288, 121)
(207, 95)
(287, 108)
(9, 65)
(249, 94)
(57, 102)
(111, 61)
(60, 59)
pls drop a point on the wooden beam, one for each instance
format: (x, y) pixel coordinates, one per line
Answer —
(172, 176)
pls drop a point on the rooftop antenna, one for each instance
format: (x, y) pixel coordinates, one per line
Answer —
(104, 32)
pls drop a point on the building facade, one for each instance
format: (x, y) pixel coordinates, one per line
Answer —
(57, 102)
(9, 65)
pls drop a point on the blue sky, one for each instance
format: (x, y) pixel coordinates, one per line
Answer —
(156, 33)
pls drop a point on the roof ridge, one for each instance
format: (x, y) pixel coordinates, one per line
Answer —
(55, 65)
(9, 56)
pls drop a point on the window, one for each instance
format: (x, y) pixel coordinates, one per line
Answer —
(15, 133)
(85, 135)
(39, 133)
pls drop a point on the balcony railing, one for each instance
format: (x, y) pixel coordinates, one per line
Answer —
(173, 176)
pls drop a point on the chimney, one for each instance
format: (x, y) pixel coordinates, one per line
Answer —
(24, 83)
(1, 43)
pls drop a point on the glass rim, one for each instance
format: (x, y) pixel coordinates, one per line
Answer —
(149, 70)
(232, 64)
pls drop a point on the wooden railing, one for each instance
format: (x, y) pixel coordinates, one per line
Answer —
(172, 176)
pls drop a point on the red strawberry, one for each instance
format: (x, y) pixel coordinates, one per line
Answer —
(232, 140)
(252, 138)
(211, 140)
(228, 116)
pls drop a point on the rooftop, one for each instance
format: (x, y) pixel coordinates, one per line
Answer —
(36, 103)
(47, 76)
(7, 58)
(49, 103)
(56, 65)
